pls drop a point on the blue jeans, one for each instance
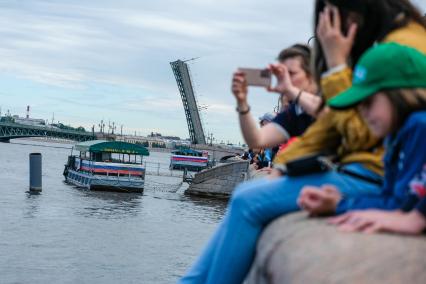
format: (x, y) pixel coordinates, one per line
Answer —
(230, 252)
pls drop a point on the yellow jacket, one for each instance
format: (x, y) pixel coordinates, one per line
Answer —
(344, 133)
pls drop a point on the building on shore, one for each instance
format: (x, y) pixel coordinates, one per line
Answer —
(155, 140)
(29, 121)
(152, 142)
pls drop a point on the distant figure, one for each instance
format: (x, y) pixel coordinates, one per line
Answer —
(266, 155)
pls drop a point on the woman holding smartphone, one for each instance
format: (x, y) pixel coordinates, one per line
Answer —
(294, 78)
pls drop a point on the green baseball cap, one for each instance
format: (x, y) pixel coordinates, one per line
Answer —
(384, 66)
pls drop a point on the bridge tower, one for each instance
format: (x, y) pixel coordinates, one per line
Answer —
(183, 79)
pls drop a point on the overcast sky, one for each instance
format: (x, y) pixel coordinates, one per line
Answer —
(103, 59)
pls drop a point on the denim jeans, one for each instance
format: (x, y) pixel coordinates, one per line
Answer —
(229, 253)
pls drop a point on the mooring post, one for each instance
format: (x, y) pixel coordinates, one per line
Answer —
(185, 172)
(35, 172)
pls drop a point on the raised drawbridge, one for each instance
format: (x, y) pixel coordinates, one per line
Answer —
(183, 79)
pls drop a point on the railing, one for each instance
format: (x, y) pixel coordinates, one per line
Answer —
(161, 169)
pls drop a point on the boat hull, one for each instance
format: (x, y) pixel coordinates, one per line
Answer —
(104, 183)
(188, 162)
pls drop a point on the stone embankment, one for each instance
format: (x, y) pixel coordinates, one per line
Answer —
(298, 249)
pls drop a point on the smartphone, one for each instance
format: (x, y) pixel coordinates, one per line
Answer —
(257, 77)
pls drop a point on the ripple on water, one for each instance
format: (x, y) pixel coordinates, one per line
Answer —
(71, 235)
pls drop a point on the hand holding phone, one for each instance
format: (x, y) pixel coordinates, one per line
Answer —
(257, 77)
(284, 84)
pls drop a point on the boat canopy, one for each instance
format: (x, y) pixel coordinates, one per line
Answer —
(188, 152)
(119, 147)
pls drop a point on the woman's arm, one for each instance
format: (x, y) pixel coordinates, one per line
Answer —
(265, 137)
(255, 137)
(310, 103)
(336, 47)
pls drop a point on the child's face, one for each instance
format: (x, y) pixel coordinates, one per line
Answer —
(377, 111)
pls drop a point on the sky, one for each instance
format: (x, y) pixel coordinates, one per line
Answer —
(87, 61)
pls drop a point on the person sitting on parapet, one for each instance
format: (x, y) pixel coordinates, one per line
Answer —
(391, 96)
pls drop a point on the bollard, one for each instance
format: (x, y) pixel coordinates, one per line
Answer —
(35, 172)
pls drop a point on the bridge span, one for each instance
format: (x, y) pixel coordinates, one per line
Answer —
(10, 130)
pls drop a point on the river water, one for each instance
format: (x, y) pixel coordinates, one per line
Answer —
(69, 235)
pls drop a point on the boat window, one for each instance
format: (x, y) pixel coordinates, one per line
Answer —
(97, 157)
(116, 158)
(106, 157)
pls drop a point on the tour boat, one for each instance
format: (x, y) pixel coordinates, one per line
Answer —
(107, 165)
(190, 159)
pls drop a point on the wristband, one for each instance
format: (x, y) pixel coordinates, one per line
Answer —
(242, 112)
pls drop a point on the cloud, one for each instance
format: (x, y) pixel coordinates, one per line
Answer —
(174, 26)
(105, 58)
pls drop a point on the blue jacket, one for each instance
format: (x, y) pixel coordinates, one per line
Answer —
(404, 159)
(417, 196)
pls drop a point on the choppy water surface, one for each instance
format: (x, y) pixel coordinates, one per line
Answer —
(69, 235)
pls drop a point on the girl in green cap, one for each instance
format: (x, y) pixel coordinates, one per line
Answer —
(389, 90)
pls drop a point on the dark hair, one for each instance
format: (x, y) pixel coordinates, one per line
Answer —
(376, 19)
(301, 51)
(405, 102)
